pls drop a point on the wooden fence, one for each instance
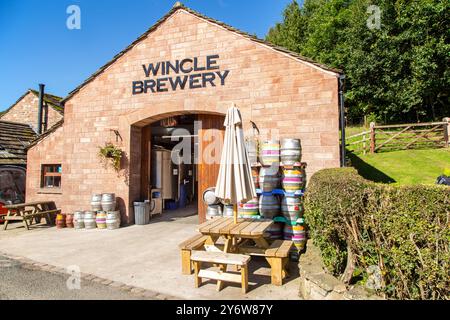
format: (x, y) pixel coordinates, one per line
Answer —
(400, 137)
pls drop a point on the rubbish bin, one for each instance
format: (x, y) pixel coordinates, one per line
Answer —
(141, 213)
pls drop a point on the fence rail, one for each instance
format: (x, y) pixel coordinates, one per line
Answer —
(400, 137)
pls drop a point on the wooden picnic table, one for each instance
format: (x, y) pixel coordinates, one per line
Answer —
(239, 238)
(236, 235)
(27, 211)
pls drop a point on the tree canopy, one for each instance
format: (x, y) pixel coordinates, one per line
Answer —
(396, 71)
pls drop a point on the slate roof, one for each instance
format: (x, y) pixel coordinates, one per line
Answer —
(179, 6)
(52, 101)
(14, 138)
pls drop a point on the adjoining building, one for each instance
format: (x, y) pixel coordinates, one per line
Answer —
(26, 110)
(19, 127)
(185, 70)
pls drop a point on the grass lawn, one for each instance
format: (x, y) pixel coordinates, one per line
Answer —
(403, 167)
(350, 131)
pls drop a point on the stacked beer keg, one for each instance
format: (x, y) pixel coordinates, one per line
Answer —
(102, 215)
(280, 184)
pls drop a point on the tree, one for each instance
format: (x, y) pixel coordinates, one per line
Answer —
(399, 72)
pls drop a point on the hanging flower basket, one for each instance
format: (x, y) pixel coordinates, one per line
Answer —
(111, 154)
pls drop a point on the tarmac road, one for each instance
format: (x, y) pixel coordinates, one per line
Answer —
(18, 282)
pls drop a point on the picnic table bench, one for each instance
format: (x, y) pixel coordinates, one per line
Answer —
(26, 212)
(222, 259)
(246, 237)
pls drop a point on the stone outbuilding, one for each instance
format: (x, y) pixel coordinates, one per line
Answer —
(186, 69)
(25, 110)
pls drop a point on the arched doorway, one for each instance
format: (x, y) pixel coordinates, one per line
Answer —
(194, 139)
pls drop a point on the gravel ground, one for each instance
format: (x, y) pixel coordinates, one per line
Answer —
(23, 281)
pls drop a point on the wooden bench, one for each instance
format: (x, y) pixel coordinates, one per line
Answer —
(195, 243)
(39, 215)
(223, 260)
(277, 255)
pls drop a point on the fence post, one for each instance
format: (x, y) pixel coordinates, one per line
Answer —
(446, 131)
(372, 137)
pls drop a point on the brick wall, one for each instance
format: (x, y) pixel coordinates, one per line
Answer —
(26, 111)
(47, 151)
(277, 92)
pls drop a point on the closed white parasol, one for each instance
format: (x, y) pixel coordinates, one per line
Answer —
(235, 182)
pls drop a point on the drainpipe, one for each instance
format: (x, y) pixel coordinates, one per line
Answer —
(342, 117)
(40, 107)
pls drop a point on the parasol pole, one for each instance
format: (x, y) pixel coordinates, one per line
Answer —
(235, 215)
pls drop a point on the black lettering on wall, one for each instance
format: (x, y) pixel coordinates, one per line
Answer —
(175, 68)
(182, 63)
(178, 82)
(151, 68)
(161, 85)
(196, 67)
(194, 81)
(149, 84)
(208, 77)
(223, 76)
(138, 87)
(211, 61)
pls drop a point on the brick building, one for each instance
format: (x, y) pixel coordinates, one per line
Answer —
(25, 110)
(186, 67)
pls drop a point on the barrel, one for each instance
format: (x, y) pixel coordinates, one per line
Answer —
(249, 209)
(255, 176)
(293, 179)
(290, 151)
(100, 219)
(269, 153)
(78, 219)
(269, 206)
(228, 210)
(268, 178)
(209, 196)
(291, 207)
(213, 211)
(89, 220)
(252, 150)
(108, 202)
(275, 231)
(60, 221)
(299, 236)
(113, 220)
(96, 202)
(288, 233)
(69, 220)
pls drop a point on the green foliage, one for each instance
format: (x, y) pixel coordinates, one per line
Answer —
(404, 230)
(112, 154)
(400, 72)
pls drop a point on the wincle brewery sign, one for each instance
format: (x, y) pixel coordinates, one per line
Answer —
(181, 74)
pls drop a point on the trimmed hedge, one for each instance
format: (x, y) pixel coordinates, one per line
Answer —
(404, 230)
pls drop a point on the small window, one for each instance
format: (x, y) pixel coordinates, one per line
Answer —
(51, 176)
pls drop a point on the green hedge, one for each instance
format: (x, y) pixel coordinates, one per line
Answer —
(404, 230)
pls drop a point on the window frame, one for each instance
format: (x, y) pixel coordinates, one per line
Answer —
(45, 173)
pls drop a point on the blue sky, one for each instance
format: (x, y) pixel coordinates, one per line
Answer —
(37, 47)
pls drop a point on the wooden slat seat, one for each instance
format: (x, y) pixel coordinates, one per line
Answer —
(194, 243)
(223, 260)
(220, 257)
(278, 257)
(42, 213)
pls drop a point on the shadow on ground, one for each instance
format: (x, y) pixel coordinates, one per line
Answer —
(367, 171)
